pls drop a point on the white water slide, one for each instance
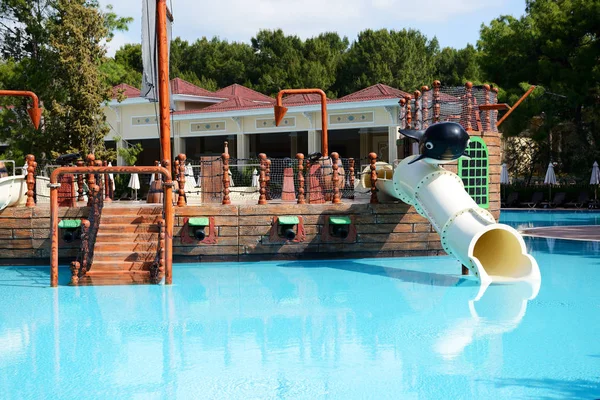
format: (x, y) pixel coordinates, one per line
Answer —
(493, 252)
(13, 189)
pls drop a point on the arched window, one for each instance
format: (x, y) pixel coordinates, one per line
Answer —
(474, 171)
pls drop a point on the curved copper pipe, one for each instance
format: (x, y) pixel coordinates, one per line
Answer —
(35, 112)
(280, 111)
(98, 170)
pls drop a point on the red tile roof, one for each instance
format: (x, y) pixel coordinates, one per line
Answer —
(127, 90)
(375, 92)
(233, 104)
(180, 86)
(298, 99)
(236, 90)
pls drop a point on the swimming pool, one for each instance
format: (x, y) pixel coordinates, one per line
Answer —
(352, 329)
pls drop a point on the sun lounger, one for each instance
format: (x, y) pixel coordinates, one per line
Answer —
(536, 199)
(582, 201)
(559, 200)
(511, 200)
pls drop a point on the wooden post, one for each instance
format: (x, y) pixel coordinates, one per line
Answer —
(351, 172)
(162, 42)
(468, 106)
(300, 158)
(225, 158)
(263, 179)
(80, 182)
(408, 113)
(486, 119)
(402, 103)
(424, 107)
(181, 180)
(437, 85)
(85, 244)
(335, 158)
(91, 179)
(373, 160)
(31, 166)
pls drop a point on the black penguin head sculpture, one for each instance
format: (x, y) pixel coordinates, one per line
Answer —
(440, 143)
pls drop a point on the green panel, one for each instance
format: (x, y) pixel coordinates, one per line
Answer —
(474, 172)
(69, 223)
(198, 221)
(288, 220)
(340, 220)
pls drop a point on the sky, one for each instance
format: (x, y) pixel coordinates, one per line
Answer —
(454, 22)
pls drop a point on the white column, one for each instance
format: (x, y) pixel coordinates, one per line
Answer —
(243, 145)
(178, 146)
(393, 135)
(120, 160)
(314, 141)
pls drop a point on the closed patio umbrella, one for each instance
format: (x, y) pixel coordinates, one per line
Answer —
(134, 184)
(255, 181)
(112, 178)
(504, 178)
(231, 183)
(595, 180)
(550, 179)
(189, 174)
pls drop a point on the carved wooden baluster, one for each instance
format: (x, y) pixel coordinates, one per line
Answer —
(263, 179)
(85, 244)
(268, 179)
(469, 106)
(424, 106)
(351, 172)
(373, 160)
(80, 182)
(75, 266)
(408, 113)
(402, 119)
(31, 166)
(176, 176)
(99, 185)
(226, 191)
(161, 248)
(437, 85)
(418, 114)
(181, 200)
(335, 158)
(486, 119)
(107, 184)
(300, 158)
(91, 180)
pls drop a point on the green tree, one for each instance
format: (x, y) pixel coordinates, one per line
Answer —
(56, 48)
(455, 67)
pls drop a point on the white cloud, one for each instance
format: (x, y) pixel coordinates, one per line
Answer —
(239, 20)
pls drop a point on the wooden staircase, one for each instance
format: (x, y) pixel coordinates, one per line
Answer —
(126, 245)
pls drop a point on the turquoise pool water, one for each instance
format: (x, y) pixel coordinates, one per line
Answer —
(353, 329)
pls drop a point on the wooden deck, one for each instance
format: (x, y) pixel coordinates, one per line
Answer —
(580, 232)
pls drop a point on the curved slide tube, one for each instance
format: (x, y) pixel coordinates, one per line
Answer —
(493, 252)
(13, 191)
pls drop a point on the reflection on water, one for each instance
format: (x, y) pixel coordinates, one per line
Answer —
(380, 328)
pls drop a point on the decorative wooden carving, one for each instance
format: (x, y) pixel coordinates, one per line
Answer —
(225, 158)
(262, 179)
(31, 166)
(437, 85)
(181, 180)
(351, 171)
(373, 161)
(268, 179)
(425, 106)
(91, 179)
(418, 115)
(80, 182)
(300, 158)
(107, 184)
(408, 113)
(335, 158)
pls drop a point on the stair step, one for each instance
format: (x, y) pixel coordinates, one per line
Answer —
(124, 278)
(129, 219)
(128, 228)
(120, 266)
(122, 246)
(131, 211)
(124, 256)
(104, 237)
